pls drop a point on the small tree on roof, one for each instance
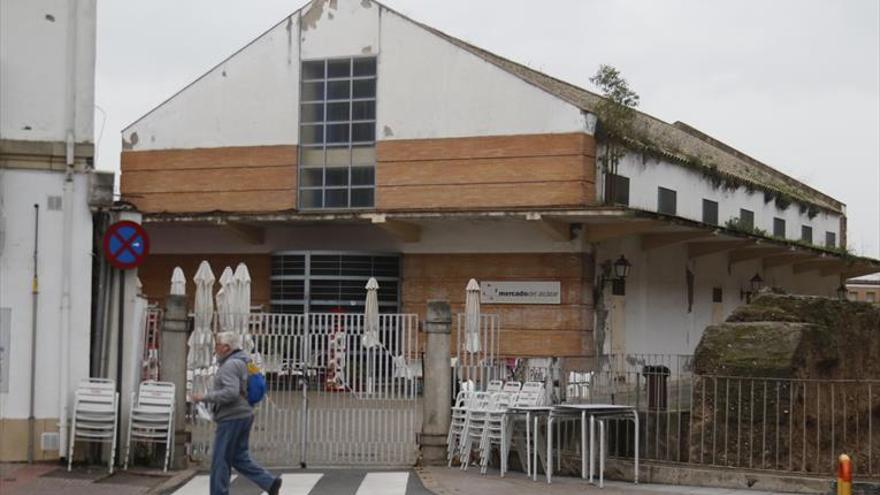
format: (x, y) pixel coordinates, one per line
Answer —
(616, 114)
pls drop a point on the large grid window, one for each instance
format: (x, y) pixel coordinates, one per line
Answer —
(337, 158)
(320, 282)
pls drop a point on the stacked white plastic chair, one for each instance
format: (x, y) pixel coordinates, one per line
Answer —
(152, 418)
(530, 394)
(457, 424)
(495, 386)
(477, 413)
(495, 426)
(95, 416)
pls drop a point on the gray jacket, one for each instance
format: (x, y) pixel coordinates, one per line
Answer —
(229, 396)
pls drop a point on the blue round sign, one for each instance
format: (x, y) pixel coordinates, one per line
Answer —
(126, 245)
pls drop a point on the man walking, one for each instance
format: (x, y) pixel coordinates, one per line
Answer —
(234, 418)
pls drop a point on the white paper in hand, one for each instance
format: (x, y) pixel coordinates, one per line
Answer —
(202, 411)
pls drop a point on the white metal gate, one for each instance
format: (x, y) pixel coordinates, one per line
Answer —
(331, 399)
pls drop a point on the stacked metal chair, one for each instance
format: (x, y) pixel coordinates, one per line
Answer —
(457, 424)
(151, 419)
(95, 416)
(495, 426)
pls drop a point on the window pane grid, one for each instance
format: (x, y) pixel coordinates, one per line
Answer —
(337, 115)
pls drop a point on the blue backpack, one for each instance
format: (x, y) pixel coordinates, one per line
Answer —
(256, 383)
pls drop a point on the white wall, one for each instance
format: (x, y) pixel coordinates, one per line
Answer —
(249, 99)
(426, 87)
(691, 188)
(45, 46)
(19, 191)
(656, 311)
(430, 88)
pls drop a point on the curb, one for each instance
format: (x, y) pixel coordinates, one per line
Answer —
(173, 483)
(428, 481)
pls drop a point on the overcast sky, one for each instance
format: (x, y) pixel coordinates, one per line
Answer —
(794, 83)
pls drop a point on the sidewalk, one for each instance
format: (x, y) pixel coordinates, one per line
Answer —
(53, 479)
(446, 481)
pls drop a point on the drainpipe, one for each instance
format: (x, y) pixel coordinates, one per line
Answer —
(67, 229)
(35, 291)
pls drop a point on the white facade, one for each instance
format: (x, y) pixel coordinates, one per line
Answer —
(47, 70)
(47, 59)
(426, 87)
(655, 315)
(647, 174)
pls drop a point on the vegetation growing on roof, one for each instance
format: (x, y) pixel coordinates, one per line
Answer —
(616, 114)
(738, 225)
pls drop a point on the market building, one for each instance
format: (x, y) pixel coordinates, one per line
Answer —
(349, 141)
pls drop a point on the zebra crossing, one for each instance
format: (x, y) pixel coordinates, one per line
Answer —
(326, 482)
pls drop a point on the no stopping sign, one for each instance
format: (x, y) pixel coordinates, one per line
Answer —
(126, 245)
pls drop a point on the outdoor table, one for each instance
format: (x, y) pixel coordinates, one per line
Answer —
(592, 411)
(532, 413)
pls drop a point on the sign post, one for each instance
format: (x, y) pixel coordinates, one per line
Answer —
(126, 245)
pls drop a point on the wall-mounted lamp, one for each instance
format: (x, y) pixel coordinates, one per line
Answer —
(616, 273)
(842, 292)
(755, 284)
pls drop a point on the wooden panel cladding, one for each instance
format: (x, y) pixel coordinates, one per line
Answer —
(527, 330)
(545, 170)
(155, 273)
(235, 179)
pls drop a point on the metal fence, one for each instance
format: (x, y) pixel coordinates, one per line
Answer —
(330, 398)
(480, 366)
(774, 424)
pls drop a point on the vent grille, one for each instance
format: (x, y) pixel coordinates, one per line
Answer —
(54, 203)
(50, 440)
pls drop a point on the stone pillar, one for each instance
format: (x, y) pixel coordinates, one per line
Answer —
(172, 366)
(437, 376)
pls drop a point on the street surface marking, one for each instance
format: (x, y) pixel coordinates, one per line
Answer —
(298, 483)
(384, 484)
(199, 485)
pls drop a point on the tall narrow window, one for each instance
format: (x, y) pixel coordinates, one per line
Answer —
(778, 227)
(337, 157)
(710, 212)
(746, 219)
(617, 189)
(666, 201)
(806, 233)
(830, 239)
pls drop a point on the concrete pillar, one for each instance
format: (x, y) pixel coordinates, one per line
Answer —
(437, 385)
(172, 365)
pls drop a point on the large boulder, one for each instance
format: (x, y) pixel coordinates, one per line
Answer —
(786, 336)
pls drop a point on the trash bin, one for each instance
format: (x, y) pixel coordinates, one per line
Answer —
(656, 377)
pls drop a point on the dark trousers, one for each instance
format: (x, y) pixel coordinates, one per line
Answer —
(231, 451)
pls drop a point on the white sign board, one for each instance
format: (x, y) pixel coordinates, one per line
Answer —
(520, 293)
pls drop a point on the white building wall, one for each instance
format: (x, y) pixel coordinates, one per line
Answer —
(250, 99)
(426, 87)
(19, 191)
(657, 320)
(646, 175)
(430, 88)
(38, 100)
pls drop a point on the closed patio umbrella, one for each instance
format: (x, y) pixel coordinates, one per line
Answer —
(241, 305)
(178, 282)
(224, 298)
(472, 317)
(201, 341)
(370, 338)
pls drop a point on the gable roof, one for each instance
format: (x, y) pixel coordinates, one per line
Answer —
(677, 142)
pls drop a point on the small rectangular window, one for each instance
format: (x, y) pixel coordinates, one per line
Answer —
(779, 227)
(746, 219)
(617, 189)
(806, 233)
(830, 239)
(870, 297)
(717, 295)
(666, 199)
(710, 212)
